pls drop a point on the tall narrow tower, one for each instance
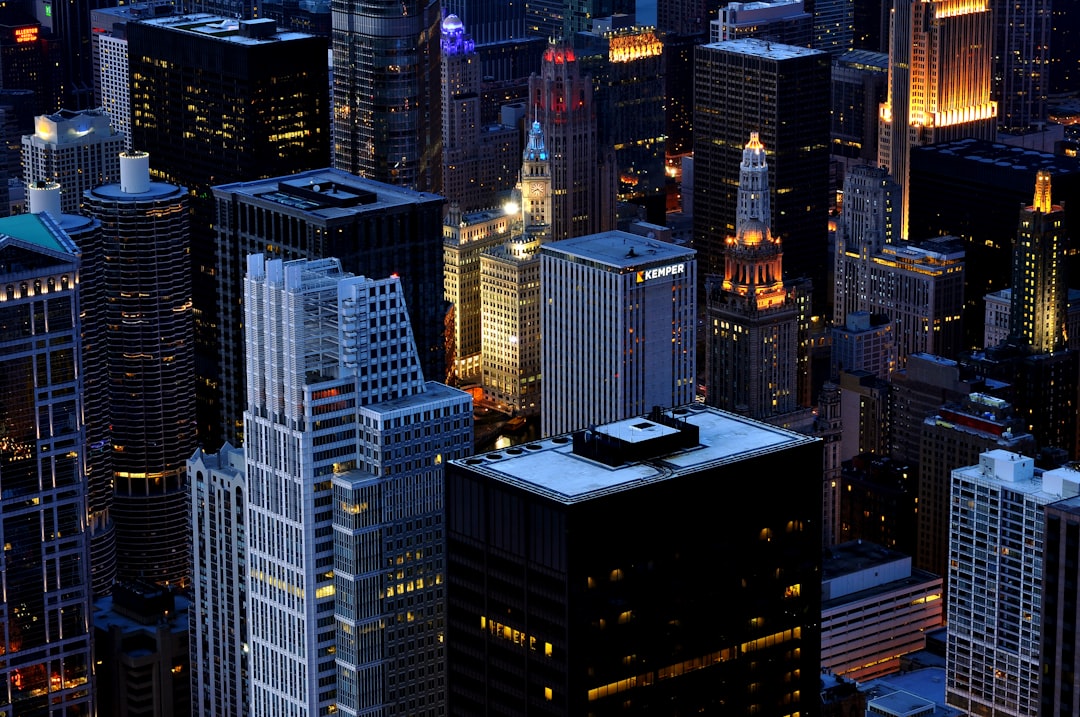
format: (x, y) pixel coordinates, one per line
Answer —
(387, 108)
(145, 231)
(460, 115)
(940, 60)
(752, 350)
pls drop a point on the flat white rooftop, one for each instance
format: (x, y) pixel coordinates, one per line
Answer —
(551, 468)
(763, 48)
(620, 250)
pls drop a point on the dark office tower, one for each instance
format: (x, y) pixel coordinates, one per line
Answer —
(779, 91)
(544, 18)
(679, 53)
(582, 171)
(859, 80)
(686, 17)
(215, 101)
(940, 60)
(1021, 62)
(1059, 694)
(387, 112)
(86, 233)
(70, 24)
(834, 26)
(569, 593)
(751, 350)
(151, 368)
(374, 229)
(870, 22)
(1065, 48)
(878, 502)
(45, 604)
(581, 14)
(955, 435)
(489, 22)
(628, 69)
(29, 59)
(464, 162)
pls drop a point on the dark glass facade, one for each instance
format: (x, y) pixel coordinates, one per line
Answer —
(1059, 690)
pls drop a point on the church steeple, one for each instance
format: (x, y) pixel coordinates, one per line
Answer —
(753, 263)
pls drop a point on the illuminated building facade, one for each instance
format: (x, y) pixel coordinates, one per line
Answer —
(1039, 299)
(752, 317)
(510, 291)
(45, 604)
(374, 229)
(151, 368)
(865, 228)
(582, 171)
(628, 66)
(466, 236)
(1061, 555)
(752, 85)
(1021, 62)
(866, 342)
(940, 76)
(387, 99)
(785, 21)
(218, 632)
(78, 150)
(345, 446)
(217, 100)
(585, 602)
(996, 539)
(618, 320)
(28, 59)
(999, 308)
(834, 26)
(875, 609)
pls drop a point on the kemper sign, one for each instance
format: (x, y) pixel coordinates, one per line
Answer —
(670, 270)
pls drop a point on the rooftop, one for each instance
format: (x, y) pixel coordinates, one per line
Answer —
(764, 48)
(984, 154)
(551, 468)
(619, 250)
(242, 32)
(37, 230)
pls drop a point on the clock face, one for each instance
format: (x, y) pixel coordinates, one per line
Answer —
(537, 190)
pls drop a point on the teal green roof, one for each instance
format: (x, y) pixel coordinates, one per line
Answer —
(30, 228)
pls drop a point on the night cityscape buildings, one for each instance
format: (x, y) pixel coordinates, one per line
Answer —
(561, 573)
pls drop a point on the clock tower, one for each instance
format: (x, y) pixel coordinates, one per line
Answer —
(536, 186)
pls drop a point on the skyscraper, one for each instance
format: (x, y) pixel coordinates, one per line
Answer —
(373, 228)
(1061, 556)
(751, 350)
(79, 150)
(582, 171)
(1021, 62)
(151, 368)
(940, 72)
(1039, 299)
(219, 606)
(345, 574)
(619, 328)
(751, 85)
(785, 22)
(387, 108)
(45, 603)
(569, 593)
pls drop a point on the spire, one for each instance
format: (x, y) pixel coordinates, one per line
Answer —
(1042, 201)
(753, 201)
(535, 150)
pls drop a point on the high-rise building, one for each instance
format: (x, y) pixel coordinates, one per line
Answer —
(583, 15)
(686, 17)
(1040, 296)
(29, 59)
(345, 570)
(866, 227)
(1021, 62)
(374, 229)
(866, 342)
(784, 21)
(751, 85)
(1061, 556)
(752, 317)
(45, 605)
(584, 602)
(628, 66)
(859, 81)
(219, 607)
(387, 108)
(878, 502)
(1065, 59)
(999, 309)
(78, 150)
(582, 171)
(489, 23)
(834, 26)
(151, 368)
(618, 320)
(940, 76)
(995, 602)
(217, 100)
(955, 435)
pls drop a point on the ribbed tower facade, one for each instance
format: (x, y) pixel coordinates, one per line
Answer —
(146, 240)
(583, 187)
(752, 332)
(1021, 61)
(940, 79)
(387, 115)
(460, 115)
(1039, 300)
(45, 602)
(866, 226)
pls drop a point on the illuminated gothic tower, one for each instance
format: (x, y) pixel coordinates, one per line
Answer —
(1039, 298)
(940, 60)
(583, 187)
(751, 355)
(386, 91)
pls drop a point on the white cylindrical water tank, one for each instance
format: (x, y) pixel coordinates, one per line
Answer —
(134, 172)
(44, 197)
